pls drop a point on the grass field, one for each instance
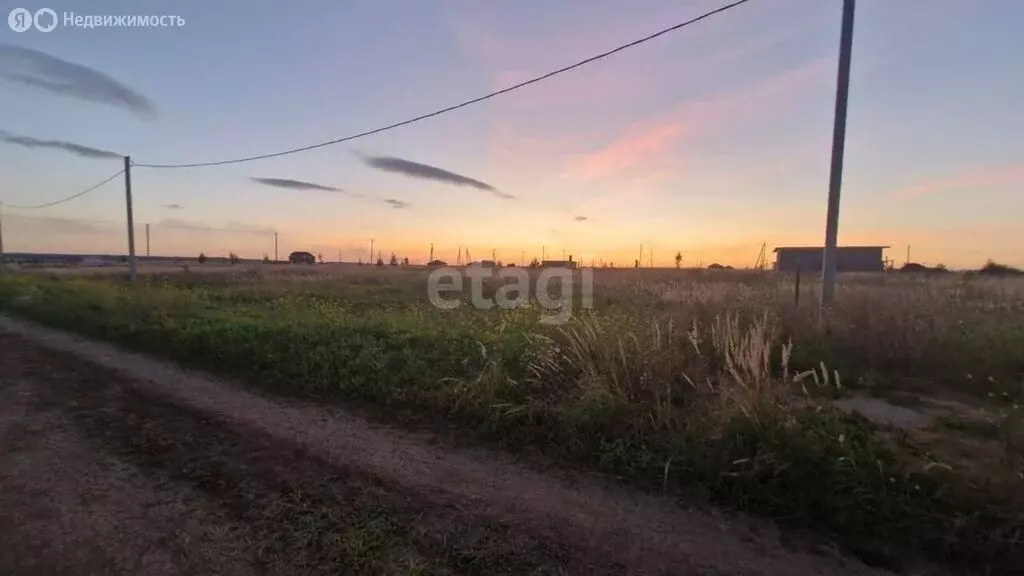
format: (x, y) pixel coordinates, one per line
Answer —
(712, 385)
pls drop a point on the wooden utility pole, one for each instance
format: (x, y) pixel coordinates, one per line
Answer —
(133, 271)
(275, 248)
(371, 251)
(147, 240)
(1, 237)
(828, 269)
(431, 252)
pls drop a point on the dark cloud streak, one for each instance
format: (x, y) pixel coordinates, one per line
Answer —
(78, 149)
(298, 185)
(289, 184)
(40, 70)
(428, 172)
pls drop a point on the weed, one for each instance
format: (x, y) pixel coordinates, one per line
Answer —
(712, 386)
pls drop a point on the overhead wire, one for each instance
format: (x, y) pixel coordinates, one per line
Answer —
(62, 200)
(454, 107)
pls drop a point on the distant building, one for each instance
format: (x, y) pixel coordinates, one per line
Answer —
(848, 258)
(437, 263)
(92, 261)
(484, 264)
(558, 264)
(301, 258)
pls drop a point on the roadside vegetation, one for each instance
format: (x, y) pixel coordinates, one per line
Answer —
(712, 385)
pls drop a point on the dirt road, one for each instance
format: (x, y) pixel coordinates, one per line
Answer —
(113, 463)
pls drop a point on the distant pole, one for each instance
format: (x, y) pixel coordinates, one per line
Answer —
(147, 240)
(908, 254)
(275, 247)
(431, 252)
(371, 250)
(828, 269)
(133, 270)
(1, 237)
(640, 262)
(522, 257)
(543, 253)
(796, 294)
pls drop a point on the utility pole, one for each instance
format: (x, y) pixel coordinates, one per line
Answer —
(828, 269)
(640, 262)
(275, 248)
(908, 254)
(431, 252)
(371, 251)
(133, 271)
(1, 237)
(147, 240)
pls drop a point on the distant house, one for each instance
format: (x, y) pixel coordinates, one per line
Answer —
(437, 263)
(92, 261)
(301, 258)
(848, 258)
(558, 264)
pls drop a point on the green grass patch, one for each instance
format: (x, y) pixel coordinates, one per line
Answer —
(699, 387)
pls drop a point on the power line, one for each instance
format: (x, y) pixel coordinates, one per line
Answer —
(460, 105)
(62, 200)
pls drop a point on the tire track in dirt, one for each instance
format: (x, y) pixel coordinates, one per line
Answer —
(298, 513)
(67, 509)
(578, 526)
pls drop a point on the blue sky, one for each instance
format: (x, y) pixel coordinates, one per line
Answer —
(710, 140)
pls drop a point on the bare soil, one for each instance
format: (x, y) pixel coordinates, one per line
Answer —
(115, 463)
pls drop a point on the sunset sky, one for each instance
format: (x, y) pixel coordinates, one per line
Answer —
(710, 140)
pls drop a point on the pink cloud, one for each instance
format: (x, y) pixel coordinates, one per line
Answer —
(970, 178)
(638, 148)
(651, 144)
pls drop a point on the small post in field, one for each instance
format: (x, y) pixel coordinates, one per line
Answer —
(1, 237)
(133, 270)
(796, 296)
